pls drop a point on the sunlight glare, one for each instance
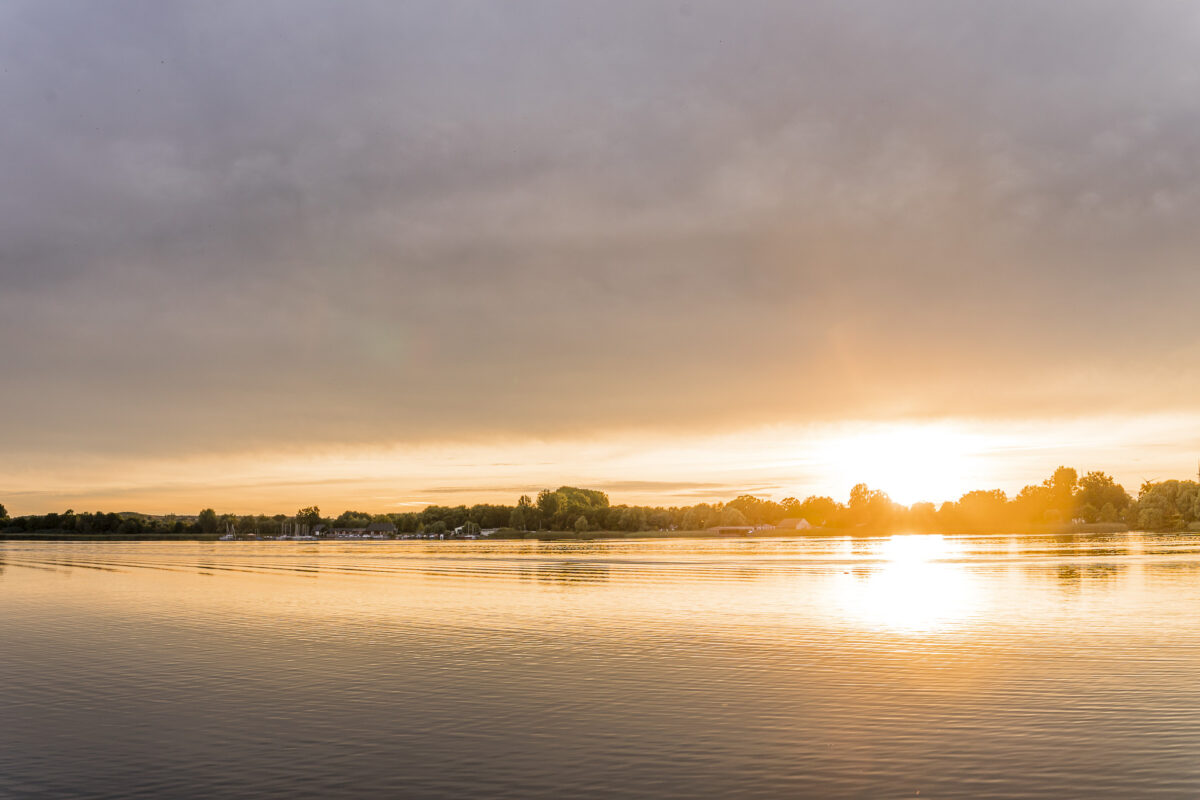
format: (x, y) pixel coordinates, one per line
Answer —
(914, 591)
(909, 462)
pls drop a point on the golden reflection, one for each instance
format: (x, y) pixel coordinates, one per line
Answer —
(916, 589)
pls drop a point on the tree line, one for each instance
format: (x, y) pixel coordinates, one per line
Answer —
(1061, 499)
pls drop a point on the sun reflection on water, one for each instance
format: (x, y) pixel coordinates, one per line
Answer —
(917, 588)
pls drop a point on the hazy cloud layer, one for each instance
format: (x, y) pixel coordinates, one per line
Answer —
(246, 225)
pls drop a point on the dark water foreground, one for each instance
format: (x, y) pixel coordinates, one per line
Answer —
(970, 667)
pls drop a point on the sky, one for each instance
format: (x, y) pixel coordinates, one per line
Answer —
(376, 254)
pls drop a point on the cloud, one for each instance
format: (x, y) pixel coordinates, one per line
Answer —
(233, 226)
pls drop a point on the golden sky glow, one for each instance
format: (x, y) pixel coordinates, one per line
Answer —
(911, 461)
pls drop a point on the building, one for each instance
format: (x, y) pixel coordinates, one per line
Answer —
(380, 530)
(376, 530)
(349, 533)
(733, 530)
(794, 524)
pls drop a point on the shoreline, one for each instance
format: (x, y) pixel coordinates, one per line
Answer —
(602, 536)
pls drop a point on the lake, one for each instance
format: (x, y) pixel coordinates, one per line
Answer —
(973, 667)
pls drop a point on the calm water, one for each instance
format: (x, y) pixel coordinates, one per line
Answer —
(960, 667)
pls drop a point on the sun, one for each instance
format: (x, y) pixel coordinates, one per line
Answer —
(911, 462)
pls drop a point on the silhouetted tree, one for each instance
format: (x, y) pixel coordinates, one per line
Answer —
(206, 521)
(309, 516)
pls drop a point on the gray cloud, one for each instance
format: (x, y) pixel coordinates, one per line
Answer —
(231, 225)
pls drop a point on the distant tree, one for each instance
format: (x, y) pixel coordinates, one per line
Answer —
(266, 526)
(309, 516)
(625, 518)
(1065, 478)
(489, 515)
(581, 524)
(471, 528)
(1032, 503)
(639, 519)
(353, 519)
(981, 510)
(791, 507)
(731, 517)
(1168, 505)
(1186, 499)
(1054, 500)
(516, 520)
(1098, 490)
(560, 507)
(547, 502)
(869, 506)
(1153, 511)
(922, 516)
(818, 510)
(3, 512)
(206, 521)
(593, 498)
(1062, 491)
(699, 517)
(755, 509)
